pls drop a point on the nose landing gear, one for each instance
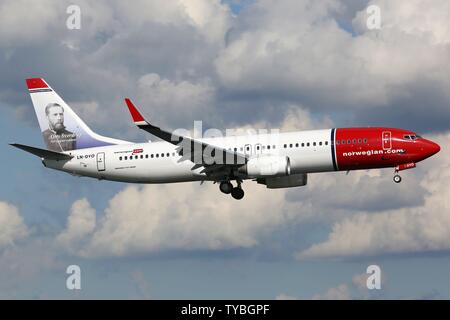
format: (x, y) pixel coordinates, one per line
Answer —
(397, 178)
(401, 167)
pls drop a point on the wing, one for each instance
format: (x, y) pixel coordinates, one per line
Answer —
(215, 160)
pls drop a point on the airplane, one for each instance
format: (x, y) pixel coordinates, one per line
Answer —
(280, 160)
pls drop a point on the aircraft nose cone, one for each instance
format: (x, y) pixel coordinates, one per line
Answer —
(432, 147)
(435, 148)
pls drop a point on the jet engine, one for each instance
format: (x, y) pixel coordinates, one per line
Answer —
(294, 180)
(266, 166)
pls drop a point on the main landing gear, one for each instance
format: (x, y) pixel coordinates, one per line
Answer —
(397, 178)
(236, 192)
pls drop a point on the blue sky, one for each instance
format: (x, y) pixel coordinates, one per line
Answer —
(277, 64)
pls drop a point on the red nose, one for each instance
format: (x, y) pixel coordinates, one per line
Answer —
(432, 147)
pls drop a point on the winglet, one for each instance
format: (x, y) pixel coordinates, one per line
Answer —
(135, 114)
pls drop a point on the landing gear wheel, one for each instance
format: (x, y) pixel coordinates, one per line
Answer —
(237, 193)
(226, 187)
(397, 178)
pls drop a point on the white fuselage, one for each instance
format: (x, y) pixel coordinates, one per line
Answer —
(158, 162)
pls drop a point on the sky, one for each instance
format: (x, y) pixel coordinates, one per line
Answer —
(288, 65)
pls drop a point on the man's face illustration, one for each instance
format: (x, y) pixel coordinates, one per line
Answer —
(56, 118)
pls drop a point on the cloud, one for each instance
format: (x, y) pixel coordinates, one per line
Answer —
(23, 267)
(23, 22)
(108, 59)
(12, 226)
(342, 292)
(283, 296)
(368, 73)
(80, 224)
(356, 289)
(186, 217)
(416, 229)
(177, 101)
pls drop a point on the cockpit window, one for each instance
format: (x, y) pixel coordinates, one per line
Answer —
(411, 136)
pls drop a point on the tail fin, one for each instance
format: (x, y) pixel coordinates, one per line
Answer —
(61, 128)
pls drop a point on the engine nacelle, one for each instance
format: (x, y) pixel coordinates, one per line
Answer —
(267, 166)
(295, 180)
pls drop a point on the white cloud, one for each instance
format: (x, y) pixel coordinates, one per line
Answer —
(22, 267)
(12, 226)
(80, 224)
(271, 51)
(23, 21)
(356, 289)
(341, 292)
(419, 18)
(187, 217)
(283, 296)
(421, 228)
(210, 18)
(178, 101)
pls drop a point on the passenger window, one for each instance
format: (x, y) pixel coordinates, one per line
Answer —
(142, 156)
(320, 143)
(326, 143)
(290, 145)
(314, 144)
(343, 142)
(274, 146)
(354, 141)
(338, 141)
(285, 146)
(303, 144)
(157, 155)
(296, 145)
(162, 155)
(146, 156)
(126, 158)
(168, 154)
(120, 158)
(257, 147)
(365, 140)
(268, 147)
(151, 156)
(235, 149)
(349, 141)
(307, 144)
(359, 140)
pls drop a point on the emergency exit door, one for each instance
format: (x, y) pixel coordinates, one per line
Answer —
(101, 161)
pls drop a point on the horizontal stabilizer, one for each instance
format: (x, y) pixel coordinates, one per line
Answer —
(42, 153)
